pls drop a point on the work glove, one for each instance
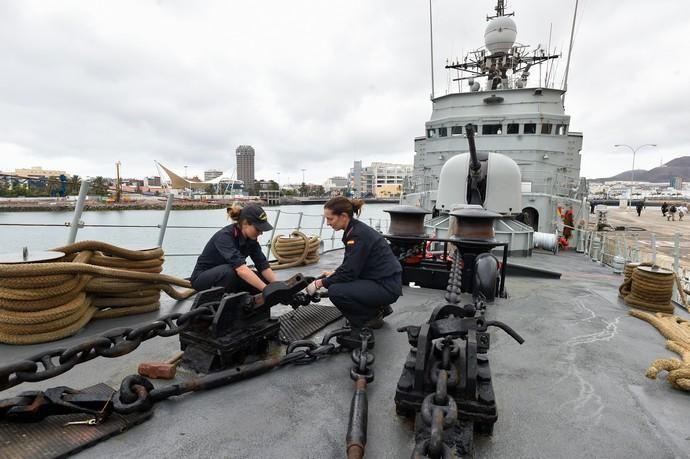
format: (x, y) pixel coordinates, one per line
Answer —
(312, 288)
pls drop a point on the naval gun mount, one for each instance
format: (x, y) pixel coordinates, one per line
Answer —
(490, 180)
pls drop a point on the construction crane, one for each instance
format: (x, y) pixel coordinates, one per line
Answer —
(118, 183)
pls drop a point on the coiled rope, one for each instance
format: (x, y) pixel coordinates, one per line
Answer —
(41, 302)
(677, 331)
(648, 287)
(295, 250)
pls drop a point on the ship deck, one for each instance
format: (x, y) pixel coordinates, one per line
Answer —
(575, 388)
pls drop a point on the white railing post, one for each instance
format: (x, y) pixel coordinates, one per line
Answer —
(78, 209)
(164, 224)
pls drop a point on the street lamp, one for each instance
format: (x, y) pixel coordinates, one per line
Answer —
(634, 150)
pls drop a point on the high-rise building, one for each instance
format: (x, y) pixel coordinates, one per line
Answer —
(677, 183)
(245, 165)
(211, 174)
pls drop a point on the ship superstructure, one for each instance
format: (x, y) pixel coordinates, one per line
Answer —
(517, 110)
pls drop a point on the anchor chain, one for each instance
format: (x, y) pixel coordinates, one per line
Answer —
(137, 393)
(112, 343)
(454, 287)
(362, 374)
(412, 251)
(438, 412)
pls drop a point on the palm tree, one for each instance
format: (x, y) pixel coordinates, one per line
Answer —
(74, 184)
(52, 186)
(99, 187)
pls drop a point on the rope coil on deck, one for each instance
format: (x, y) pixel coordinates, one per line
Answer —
(42, 302)
(648, 287)
(677, 331)
(295, 250)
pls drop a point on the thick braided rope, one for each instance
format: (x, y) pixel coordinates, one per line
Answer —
(677, 331)
(651, 291)
(295, 250)
(47, 301)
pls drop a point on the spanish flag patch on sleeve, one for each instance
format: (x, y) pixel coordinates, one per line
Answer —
(351, 242)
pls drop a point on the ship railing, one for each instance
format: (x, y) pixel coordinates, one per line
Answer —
(283, 222)
(618, 248)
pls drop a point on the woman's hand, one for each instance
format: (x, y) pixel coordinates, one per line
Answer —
(326, 273)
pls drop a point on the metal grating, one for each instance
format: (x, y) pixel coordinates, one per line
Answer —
(304, 321)
(50, 438)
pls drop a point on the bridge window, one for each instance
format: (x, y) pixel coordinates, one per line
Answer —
(546, 128)
(443, 132)
(456, 130)
(513, 128)
(562, 129)
(530, 128)
(491, 129)
(431, 133)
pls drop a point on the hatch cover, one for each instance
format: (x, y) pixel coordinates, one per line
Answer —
(306, 320)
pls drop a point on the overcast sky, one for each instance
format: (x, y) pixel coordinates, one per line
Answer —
(310, 84)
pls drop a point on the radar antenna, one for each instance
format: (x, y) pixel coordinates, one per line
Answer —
(500, 9)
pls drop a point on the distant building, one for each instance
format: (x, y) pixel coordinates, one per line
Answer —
(211, 174)
(38, 171)
(335, 183)
(382, 180)
(245, 165)
(677, 183)
(152, 181)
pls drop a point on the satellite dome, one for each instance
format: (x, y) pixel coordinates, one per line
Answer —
(500, 34)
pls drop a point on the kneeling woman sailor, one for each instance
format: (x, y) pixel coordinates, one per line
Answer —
(223, 261)
(370, 277)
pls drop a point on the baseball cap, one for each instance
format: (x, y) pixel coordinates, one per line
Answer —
(256, 216)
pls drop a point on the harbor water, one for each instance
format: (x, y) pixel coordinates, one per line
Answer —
(187, 232)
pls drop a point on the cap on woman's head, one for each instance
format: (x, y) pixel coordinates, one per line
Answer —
(256, 216)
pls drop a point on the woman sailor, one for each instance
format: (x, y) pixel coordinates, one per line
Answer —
(370, 276)
(223, 260)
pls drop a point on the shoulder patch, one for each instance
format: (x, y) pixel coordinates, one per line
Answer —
(351, 242)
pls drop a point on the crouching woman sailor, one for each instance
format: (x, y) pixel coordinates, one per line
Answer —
(370, 276)
(223, 261)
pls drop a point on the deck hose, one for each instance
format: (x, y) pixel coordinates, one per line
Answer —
(41, 302)
(296, 250)
(677, 332)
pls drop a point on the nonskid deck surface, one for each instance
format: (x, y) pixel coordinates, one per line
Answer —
(576, 388)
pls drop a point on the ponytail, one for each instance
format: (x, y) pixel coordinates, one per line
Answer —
(341, 204)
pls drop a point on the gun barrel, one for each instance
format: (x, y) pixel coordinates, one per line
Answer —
(474, 161)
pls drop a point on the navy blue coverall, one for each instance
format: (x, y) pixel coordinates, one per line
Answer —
(369, 278)
(226, 251)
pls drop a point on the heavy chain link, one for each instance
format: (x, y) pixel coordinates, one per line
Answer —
(454, 288)
(439, 412)
(112, 343)
(138, 394)
(363, 359)
(412, 251)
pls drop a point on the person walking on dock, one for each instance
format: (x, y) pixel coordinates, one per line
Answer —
(639, 207)
(671, 214)
(682, 210)
(664, 208)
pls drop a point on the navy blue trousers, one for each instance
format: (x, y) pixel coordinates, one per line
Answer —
(362, 299)
(222, 276)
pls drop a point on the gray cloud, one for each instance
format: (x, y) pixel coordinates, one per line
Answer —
(309, 84)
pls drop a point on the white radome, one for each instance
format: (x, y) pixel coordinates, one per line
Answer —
(500, 34)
